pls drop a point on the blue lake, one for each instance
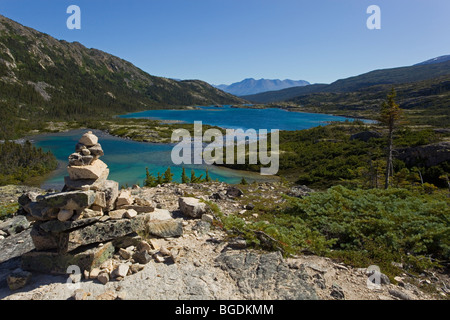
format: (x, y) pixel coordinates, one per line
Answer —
(128, 159)
(244, 118)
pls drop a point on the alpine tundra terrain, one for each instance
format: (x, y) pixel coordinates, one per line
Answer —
(204, 262)
(172, 241)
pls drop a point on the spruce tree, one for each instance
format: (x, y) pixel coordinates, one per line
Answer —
(150, 180)
(168, 176)
(184, 177)
(207, 177)
(389, 116)
(159, 179)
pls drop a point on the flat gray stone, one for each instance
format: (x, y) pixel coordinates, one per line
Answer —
(72, 200)
(40, 211)
(56, 226)
(100, 232)
(55, 263)
(165, 228)
(87, 184)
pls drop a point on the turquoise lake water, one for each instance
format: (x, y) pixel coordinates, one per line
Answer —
(128, 159)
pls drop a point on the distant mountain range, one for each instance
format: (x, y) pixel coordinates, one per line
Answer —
(251, 86)
(427, 70)
(422, 89)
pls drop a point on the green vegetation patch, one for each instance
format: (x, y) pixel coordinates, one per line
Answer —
(358, 227)
(21, 162)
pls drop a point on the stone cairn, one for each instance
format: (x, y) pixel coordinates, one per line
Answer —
(90, 221)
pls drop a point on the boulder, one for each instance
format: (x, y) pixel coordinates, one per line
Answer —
(192, 207)
(89, 139)
(250, 206)
(265, 276)
(120, 271)
(124, 199)
(234, 192)
(366, 135)
(14, 225)
(76, 159)
(18, 279)
(143, 202)
(141, 205)
(142, 257)
(398, 294)
(87, 172)
(103, 278)
(217, 196)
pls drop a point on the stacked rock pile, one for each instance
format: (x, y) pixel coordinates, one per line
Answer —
(90, 219)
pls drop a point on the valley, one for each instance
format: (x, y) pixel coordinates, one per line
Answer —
(336, 206)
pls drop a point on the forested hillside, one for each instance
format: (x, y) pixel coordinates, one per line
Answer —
(42, 78)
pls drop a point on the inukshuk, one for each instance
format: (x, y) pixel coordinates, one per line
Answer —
(70, 225)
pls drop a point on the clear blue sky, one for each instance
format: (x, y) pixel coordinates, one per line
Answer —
(224, 41)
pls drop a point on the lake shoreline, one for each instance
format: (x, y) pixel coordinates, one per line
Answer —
(112, 125)
(156, 134)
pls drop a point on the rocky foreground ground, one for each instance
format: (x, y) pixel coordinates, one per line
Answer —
(208, 264)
